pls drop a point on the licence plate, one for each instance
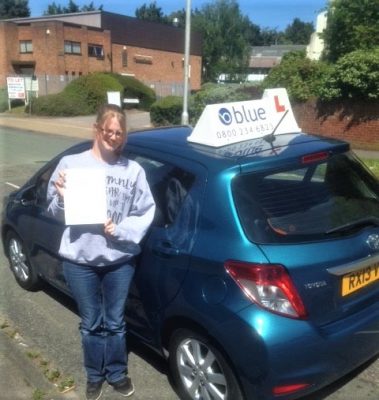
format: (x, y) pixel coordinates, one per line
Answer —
(359, 279)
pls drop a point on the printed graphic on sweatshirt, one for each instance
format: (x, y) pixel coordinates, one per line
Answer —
(120, 194)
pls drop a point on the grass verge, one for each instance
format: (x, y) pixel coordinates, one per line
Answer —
(54, 375)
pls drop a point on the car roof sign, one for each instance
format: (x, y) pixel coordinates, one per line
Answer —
(222, 124)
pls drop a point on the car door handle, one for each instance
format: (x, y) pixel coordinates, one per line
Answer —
(24, 202)
(165, 249)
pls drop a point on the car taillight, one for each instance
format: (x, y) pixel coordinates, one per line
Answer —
(269, 286)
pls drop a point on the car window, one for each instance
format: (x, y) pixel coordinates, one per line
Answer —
(169, 185)
(307, 203)
(41, 186)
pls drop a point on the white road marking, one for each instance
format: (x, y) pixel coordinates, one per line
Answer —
(12, 185)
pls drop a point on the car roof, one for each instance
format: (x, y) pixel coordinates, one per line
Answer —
(173, 140)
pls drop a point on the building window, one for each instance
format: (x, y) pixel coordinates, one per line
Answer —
(26, 46)
(95, 50)
(124, 58)
(72, 47)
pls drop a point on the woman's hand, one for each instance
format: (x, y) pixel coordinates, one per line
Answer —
(109, 227)
(60, 184)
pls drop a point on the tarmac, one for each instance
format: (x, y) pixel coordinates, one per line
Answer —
(20, 376)
(80, 127)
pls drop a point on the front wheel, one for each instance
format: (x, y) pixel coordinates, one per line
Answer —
(20, 264)
(199, 370)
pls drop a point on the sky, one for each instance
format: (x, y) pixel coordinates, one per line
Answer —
(273, 14)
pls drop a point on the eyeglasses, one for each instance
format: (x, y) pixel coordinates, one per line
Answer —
(110, 133)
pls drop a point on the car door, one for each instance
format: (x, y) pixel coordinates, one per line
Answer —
(47, 232)
(38, 230)
(44, 231)
(177, 186)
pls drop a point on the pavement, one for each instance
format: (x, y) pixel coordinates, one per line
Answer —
(80, 127)
(24, 374)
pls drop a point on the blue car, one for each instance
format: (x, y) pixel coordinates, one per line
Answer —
(259, 276)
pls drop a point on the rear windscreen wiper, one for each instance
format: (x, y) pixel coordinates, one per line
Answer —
(368, 221)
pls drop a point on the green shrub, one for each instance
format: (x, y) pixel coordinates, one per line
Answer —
(214, 94)
(167, 111)
(133, 88)
(93, 87)
(85, 94)
(303, 78)
(354, 76)
(61, 104)
(82, 96)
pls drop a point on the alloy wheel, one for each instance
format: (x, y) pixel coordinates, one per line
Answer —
(200, 371)
(18, 260)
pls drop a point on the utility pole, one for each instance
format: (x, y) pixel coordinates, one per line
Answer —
(185, 119)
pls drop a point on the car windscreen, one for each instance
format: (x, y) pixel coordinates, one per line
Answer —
(307, 201)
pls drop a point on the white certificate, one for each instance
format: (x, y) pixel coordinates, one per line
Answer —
(85, 196)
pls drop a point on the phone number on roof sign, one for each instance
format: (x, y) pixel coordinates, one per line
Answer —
(246, 130)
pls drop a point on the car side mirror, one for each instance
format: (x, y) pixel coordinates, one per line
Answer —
(27, 197)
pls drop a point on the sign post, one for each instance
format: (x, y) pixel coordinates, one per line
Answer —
(16, 88)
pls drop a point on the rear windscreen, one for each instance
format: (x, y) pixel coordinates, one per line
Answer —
(305, 202)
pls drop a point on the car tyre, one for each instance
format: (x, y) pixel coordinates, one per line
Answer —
(199, 370)
(20, 264)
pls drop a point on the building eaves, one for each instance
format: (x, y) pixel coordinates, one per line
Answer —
(147, 34)
(263, 62)
(276, 50)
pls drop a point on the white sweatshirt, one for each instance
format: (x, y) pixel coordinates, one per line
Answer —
(130, 205)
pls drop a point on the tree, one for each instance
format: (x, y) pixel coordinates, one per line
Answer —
(299, 32)
(177, 18)
(254, 35)
(150, 12)
(271, 36)
(53, 9)
(72, 7)
(14, 9)
(303, 78)
(351, 25)
(225, 31)
(354, 76)
(90, 7)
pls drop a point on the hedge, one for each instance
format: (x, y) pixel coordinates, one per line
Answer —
(84, 95)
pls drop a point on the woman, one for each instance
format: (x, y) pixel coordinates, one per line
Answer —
(98, 259)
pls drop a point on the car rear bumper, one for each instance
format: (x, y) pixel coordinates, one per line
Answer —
(272, 351)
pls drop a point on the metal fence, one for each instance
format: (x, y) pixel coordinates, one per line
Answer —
(163, 89)
(44, 84)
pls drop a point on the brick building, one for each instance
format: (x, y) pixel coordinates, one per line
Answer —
(62, 47)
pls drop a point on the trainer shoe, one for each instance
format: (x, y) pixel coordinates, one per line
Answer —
(93, 390)
(124, 386)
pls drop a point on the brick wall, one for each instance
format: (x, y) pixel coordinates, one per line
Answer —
(155, 65)
(354, 122)
(50, 59)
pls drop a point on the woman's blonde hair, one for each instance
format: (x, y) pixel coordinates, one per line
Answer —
(108, 111)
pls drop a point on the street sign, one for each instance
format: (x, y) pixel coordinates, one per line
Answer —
(16, 87)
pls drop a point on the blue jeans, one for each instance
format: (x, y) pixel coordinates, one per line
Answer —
(101, 294)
